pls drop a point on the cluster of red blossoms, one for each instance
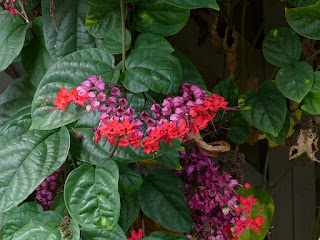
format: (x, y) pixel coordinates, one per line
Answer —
(174, 118)
(136, 235)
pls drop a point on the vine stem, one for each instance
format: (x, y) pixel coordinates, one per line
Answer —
(123, 30)
(23, 11)
(65, 175)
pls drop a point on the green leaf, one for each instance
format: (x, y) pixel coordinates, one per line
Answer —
(316, 83)
(112, 42)
(98, 233)
(13, 31)
(239, 128)
(281, 47)
(311, 103)
(164, 236)
(149, 40)
(170, 159)
(102, 20)
(91, 196)
(15, 100)
(159, 18)
(302, 3)
(4, 218)
(130, 207)
(35, 57)
(45, 226)
(69, 72)
(295, 81)
(69, 21)
(265, 110)
(305, 20)
(129, 179)
(162, 200)
(58, 205)
(108, 2)
(37, 154)
(283, 134)
(20, 217)
(190, 73)
(228, 89)
(137, 101)
(152, 69)
(264, 207)
(192, 4)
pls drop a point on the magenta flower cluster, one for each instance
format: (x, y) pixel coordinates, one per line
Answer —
(46, 191)
(211, 196)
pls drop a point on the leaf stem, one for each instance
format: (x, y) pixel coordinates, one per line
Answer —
(123, 30)
(114, 148)
(65, 175)
(23, 11)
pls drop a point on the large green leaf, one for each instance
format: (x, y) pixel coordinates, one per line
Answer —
(302, 3)
(130, 207)
(311, 103)
(101, 20)
(305, 20)
(130, 180)
(149, 40)
(281, 47)
(100, 234)
(35, 57)
(228, 89)
(264, 207)
(162, 199)
(152, 69)
(164, 236)
(190, 74)
(108, 2)
(45, 226)
(69, 72)
(58, 205)
(265, 110)
(91, 196)
(4, 218)
(37, 154)
(283, 134)
(20, 217)
(160, 18)
(13, 31)
(191, 4)
(112, 41)
(15, 100)
(295, 81)
(239, 128)
(69, 20)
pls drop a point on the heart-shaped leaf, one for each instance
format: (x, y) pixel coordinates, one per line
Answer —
(58, 205)
(191, 4)
(316, 83)
(190, 74)
(311, 103)
(152, 69)
(283, 134)
(4, 218)
(98, 233)
(159, 18)
(265, 110)
(66, 34)
(112, 41)
(13, 31)
(91, 196)
(149, 40)
(37, 154)
(20, 217)
(281, 47)
(46, 225)
(129, 180)
(69, 72)
(305, 20)
(101, 20)
(295, 81)
(228, 89)
(264, 207)
(164, 236)
(239, 128)
(162, 200)
(130, 207)
(35, 57)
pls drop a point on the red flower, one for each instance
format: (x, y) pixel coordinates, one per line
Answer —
(64, 98)
(136, 235)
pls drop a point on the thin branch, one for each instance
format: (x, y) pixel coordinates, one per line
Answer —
(123, 30)
(114, 148)
(243, 47)
(23, 11)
